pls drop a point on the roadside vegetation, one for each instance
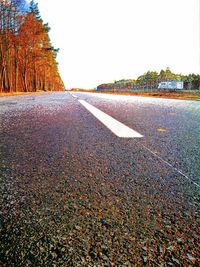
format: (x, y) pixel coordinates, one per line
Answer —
(27, 57)
(149, 82)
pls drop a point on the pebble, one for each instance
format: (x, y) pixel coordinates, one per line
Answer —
(180, 241)
(191, 258)
(170, 248)
(175, 260)
(104, 222)
(77, 227)
(160, 250)
(144, 259)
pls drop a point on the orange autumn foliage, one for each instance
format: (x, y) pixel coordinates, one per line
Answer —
(27, 58)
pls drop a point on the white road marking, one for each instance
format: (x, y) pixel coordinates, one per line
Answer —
(75, 96)
(170, 165)
(118, 128)
(103, 116)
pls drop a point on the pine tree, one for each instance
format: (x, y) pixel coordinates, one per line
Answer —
(27, 58)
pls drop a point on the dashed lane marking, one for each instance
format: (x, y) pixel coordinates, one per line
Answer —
(75, 96)
(116, 127)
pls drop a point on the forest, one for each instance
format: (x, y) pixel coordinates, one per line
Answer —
(151, 79)
(27, 57)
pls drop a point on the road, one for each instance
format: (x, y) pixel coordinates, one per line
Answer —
(74, 193)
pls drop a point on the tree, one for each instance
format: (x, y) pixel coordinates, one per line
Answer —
(148, 80)
(28, 60)
(167, 75)
(192, 81)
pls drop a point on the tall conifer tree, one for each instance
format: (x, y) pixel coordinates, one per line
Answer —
(27, 58)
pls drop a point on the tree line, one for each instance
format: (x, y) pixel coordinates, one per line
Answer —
(27, 57)
(151, 79)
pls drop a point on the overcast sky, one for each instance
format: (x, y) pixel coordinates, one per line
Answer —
(106, 40)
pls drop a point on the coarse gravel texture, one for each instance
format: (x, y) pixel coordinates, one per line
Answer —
(73, 194)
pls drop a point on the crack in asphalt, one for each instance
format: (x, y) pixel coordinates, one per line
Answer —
(170, 165)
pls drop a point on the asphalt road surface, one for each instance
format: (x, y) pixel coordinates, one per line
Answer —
(75, 193)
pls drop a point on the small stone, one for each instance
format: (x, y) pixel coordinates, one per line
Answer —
(127, 264)
(160, 250)
(175, 260)
(180, 241)
(170, 248)
(104, 222)
(104, 249)
(92, 253)
(77, 227)
(42, 249)
(105, 258)
(191, 258)
(54, 255)
(71, 249)
(144, 259)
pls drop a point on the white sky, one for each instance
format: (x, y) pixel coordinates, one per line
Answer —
(106, 40)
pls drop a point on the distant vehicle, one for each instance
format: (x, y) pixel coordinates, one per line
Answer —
(171, 85)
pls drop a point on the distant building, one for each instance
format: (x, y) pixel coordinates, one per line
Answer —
(171, 85)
